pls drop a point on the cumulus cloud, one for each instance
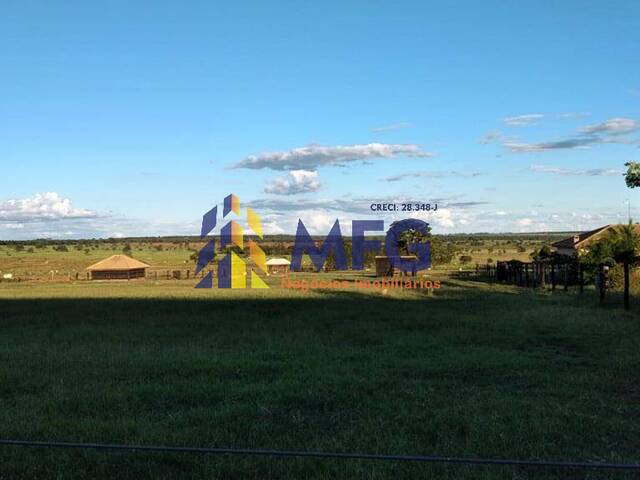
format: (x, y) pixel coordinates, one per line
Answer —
(591, 172)
(314, 156)
(42, 207)
(523, 120)
(392, 127)
(452, 173)
(613, 126)
(298, 181)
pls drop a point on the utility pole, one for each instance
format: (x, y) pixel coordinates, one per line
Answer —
(628, 202)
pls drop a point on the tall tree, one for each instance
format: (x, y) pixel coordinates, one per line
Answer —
(632, 177)
(626, 244)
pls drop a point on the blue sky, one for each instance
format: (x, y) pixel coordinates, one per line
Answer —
(134, 118)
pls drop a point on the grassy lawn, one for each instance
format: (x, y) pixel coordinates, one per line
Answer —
(473, 370)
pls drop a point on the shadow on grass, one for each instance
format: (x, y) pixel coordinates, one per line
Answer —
(466, 372)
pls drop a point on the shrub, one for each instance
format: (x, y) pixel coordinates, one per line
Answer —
(465, 259)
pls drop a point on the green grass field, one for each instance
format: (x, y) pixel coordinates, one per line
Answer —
(471, 370)
(46, 263)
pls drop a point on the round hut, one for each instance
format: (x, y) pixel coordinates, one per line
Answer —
(118, 267)
(278, 266)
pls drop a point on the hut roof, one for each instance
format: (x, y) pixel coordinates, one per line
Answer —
(118, 262)
(278, 261)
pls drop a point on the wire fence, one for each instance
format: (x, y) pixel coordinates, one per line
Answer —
(326, 455)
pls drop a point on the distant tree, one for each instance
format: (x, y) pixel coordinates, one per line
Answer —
(127, 250)
(489, 260)
(61, 248)
(442, 252)
(410, 236)
(545, 253)
(18, 247)
(632, 176)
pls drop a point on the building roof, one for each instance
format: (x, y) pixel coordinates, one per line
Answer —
(580, 239)
(278, 261)
(118, 262)
(574, 240)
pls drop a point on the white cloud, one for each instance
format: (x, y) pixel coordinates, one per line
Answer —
(613, 126)
(319, 222)
(491, 136)
(314, 156)
(523, 120)
(571, 115)
(298, 181)
(42, 207)
(392, 127)
(446, 220)
(413, 175)
(271, 228)
(609, 131)
(592, 172)
(443, 219)
(568, 144)
(525, 222)
(530, 119)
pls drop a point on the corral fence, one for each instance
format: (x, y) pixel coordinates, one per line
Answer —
(531, 274)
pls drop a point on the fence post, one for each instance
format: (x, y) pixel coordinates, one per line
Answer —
(566, 277)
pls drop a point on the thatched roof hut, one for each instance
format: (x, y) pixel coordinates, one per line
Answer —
(278, 266)
(118, 267)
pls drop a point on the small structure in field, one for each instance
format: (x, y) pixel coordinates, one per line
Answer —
(6, 277)
(278, 266)
(118, 267)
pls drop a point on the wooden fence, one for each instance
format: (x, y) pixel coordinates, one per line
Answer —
(533, 274)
